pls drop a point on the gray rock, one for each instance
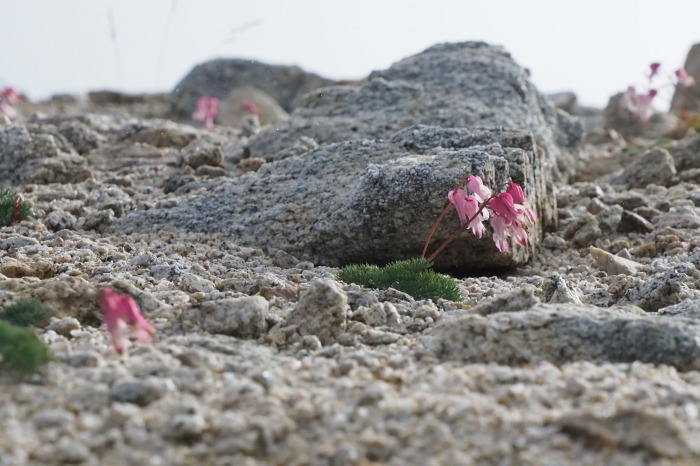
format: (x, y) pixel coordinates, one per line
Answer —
(661, 435)
(561, 333)
(159, 133)
(60, 220)
(216, 78)
(81, 136)
(513, 301)
(141, 392)
(462, 85)
(70, 451)
(664, 289)
(558, 291)
(687, 153)
(52, 418)
(64, 326)
(199, 155)
(184, 426)
(584, 231)
(84, 358)
(655, 166)
(633, 223)
(17, 242)
(97, 220)
(566, 101)
(378, 315)
(612, 264)
(38, 157)
(232, 111)
(688, 308)
(678, 217)
(239, 317)
(368, 201)
(321, 311)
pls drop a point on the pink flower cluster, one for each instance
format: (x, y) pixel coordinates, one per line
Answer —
(508, 212)
(9, 98)
(640, 103)
(121, 315)
(206, 111)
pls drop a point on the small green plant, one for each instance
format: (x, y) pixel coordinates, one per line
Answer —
(12, 207)
(21, 350)
(25, 313)
(413, 276)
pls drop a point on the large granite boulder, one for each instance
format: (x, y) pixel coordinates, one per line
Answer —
(216, 78)
(462, 85)
(372, 189)
(367, 200)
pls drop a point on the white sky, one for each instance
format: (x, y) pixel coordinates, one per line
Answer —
(592, 47)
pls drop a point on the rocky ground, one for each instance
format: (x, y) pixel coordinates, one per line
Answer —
(583, 348)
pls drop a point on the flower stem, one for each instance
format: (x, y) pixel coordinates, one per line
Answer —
(435, 225)
(454, 235)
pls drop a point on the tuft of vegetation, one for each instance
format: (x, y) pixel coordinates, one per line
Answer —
(25, 313)
(12, 207)
(413, 276)
(21, 350)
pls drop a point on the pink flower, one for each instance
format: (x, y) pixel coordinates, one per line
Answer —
(654, 67)
(207, 109)
(639, 104)
(476, 186)
(684, 78)
(508, 220)
(516, 192)
(9, 97)
(251, 108)
(467, 207)
(121, 314)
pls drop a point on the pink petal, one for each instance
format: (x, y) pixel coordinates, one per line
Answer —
(500, 234)
(476, 185)
(654, 69)
(684, 78)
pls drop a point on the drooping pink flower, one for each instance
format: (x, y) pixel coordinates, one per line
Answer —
(640, 105)
(121, 315)
(476, 186)
(500, 233)
(509, 219)
(502, 205)
(206, 111)
(516, 192)
(467, 207)
(684, 78)
(654, 70)
(9, 98)
(251, 108)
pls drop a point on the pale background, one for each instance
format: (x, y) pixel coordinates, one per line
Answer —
(592, 47)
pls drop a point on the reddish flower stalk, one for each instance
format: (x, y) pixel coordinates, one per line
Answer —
(17, 208)
(435, 225)
(454, 235)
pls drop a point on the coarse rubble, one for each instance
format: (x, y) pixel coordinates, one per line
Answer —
(582, 349)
